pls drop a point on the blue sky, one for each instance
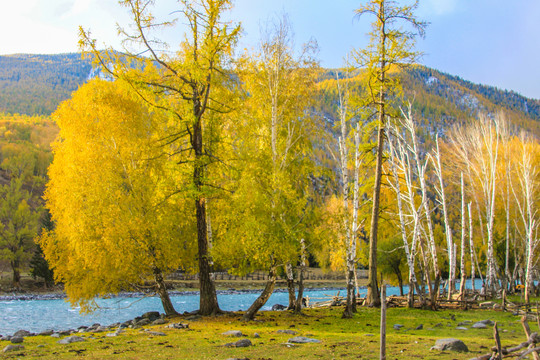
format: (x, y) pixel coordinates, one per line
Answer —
(494, 42)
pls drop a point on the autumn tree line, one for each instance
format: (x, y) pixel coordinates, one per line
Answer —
(206, 158)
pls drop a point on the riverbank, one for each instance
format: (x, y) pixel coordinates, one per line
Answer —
(410, 334)
(60, 295)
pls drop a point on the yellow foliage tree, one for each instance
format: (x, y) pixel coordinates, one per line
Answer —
(110, 194)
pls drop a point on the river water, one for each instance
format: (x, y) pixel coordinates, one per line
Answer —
(39, 315)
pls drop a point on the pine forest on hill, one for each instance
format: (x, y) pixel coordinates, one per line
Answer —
(262, 162)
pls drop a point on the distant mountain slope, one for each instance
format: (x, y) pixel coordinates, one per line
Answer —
(442, 99)
(36, 84)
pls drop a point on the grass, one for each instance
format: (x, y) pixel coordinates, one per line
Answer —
(356, 338)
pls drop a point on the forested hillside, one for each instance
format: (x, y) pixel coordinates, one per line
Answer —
(36, 84)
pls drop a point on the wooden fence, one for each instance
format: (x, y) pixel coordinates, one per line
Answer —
(309, 275)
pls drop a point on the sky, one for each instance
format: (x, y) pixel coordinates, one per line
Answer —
(492, 42)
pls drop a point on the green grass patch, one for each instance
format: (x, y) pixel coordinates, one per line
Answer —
(356, 338)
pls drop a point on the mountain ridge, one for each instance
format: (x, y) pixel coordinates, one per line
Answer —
(35, 84)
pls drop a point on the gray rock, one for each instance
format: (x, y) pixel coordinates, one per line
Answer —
(236, 333)
(13, 348)
(398, 326)
(451, 345)
(143, 322)
(479, 325)
(487, 322)
(278, 307)
(466, 322)
(17, 339)
(71, 339)
(152, 315)
(159, 322)
(156, 333)
(55, 335)
(240, 343)
(461, 328)
(178, 326)
(419, 327)
(287, 331)
(256, 335)
(22, 333)
(98, 329)
(303, 340)
(46, 332)
(112, 334)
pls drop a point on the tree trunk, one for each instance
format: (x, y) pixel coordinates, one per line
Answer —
(208, 298)
(290, 286)
(348, 311)
(263, 298)
(303, 263)
(16, 281)
(300, 298)
(373, 297)
(471, 248)
(410, 295)
(463, 232)
(161, 290)
(400, 282)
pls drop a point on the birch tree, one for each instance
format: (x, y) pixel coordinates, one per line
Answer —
(351, 227)
(478, 147)
(436, 158)
(420, 166)
(409, 213)
(273, 190)
(526, 194)
(390, 47)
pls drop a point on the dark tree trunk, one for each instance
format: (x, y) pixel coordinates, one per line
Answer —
(161, 290)
(400, 281)
(410, 295)
(208, 298)
(16, 282)
(263, 298)
(290, 286)
(292, 294)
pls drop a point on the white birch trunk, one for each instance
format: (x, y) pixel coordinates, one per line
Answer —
(526, 199)
(463, 232)
(399, 165)
(421, 170)
(447, 229)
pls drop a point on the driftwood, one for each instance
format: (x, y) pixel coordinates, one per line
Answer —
(499, 352)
